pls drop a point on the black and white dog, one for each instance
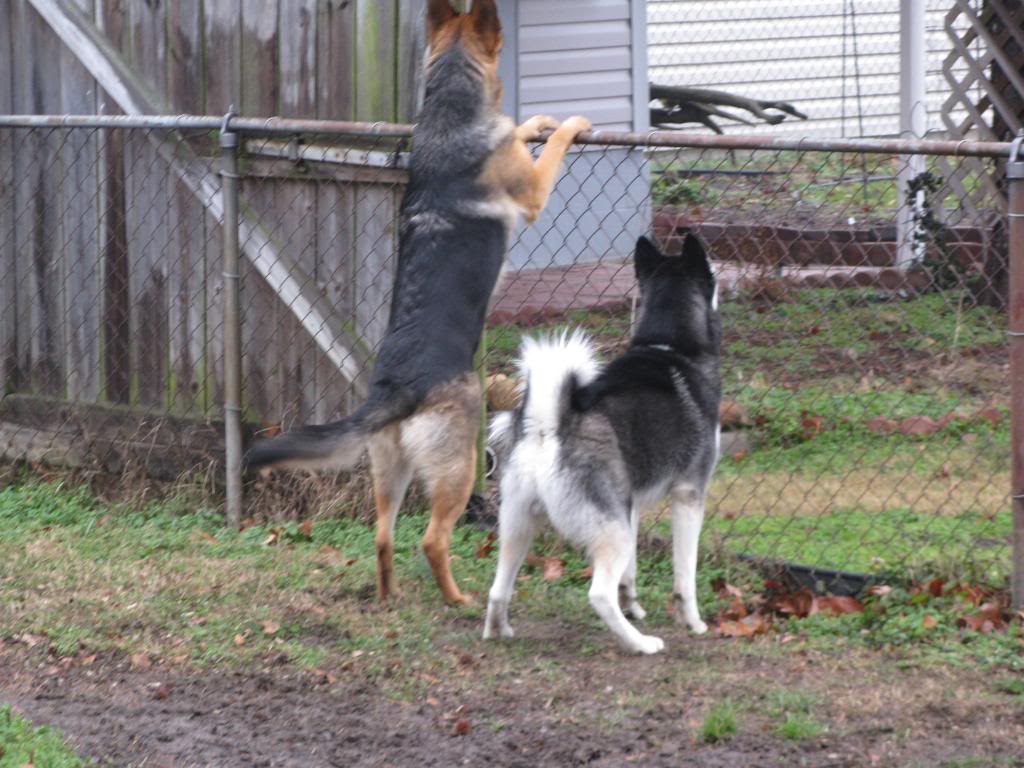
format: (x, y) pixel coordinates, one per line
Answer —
(594, 445)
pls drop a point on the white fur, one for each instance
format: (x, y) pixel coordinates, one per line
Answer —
(714, 297)
(545, 365)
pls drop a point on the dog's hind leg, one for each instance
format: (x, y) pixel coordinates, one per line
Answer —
(448, 497)
(611, 552)
(627, 588)
(516, 526)
(687, 519)
(391, 473)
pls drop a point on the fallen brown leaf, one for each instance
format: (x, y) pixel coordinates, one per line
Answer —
(306, 529)
(553, 568)
(141, 661)
(881, 425)
(918, 425)
(748, 626)
(839, 605)
(270, 627)
(486, 546)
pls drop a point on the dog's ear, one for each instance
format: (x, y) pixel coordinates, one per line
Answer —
(438, 12)
(647, 259)
(695, 257)
(486, 25)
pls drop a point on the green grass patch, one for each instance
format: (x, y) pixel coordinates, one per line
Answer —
(894, 542)
(22, 743)
(721, 723)
(797, 726)
(794, 708)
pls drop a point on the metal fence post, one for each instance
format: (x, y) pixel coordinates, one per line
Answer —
(1015, 181)
(232, 326)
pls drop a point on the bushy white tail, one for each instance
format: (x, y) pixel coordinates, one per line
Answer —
(550, 367)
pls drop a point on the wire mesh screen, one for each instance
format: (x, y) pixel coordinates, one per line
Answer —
(864, 364)
(109, 283)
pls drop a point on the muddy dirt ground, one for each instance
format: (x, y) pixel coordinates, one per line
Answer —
(615, 710)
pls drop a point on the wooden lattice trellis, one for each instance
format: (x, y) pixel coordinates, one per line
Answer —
(985, 73)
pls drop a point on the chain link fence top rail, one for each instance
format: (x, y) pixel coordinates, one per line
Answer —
(867, 423)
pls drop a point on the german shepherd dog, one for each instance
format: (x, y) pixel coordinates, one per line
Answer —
(470, 175)
(593, 446)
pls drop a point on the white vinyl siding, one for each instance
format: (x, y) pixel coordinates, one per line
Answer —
(802, 52)
(576, 57)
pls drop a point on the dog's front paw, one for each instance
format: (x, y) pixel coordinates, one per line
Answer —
(697, 626)
(541, 123)
(535, 126)
(577, 124)
(649, 644)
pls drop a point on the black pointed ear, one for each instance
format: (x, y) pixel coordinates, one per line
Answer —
(647, 258)
(438, 12)
(694, 255)
(486, 24)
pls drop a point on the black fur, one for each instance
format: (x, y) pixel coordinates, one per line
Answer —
(665, 386)
(450, 256)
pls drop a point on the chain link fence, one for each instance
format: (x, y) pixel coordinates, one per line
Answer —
(838, 62)
(868, 404)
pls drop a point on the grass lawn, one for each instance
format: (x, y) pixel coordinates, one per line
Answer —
(23, 744)
(162, 598)
(138, 613)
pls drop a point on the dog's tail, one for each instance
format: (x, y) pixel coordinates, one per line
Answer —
(552, 370)
(338, 445)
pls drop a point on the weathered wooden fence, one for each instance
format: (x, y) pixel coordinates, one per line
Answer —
(112, 277)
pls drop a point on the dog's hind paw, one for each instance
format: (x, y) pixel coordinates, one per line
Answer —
(649, 644)
(504, 631)
(698, 627)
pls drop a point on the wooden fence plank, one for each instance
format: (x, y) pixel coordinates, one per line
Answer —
(263, 349)
(261, 360)
(148, 24)
(296, 203)
(375, 60)
(39, 231)
(149, 244)
(410, 49)
(335, 272)
(335, 61)
(298, 58)
(335, 242)
(8, 285)
(259, 47)
(376, 239)
(295, 212)
(79, 256)
(222, 31)
(222, 23)
(187, 255)
(113, 235)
